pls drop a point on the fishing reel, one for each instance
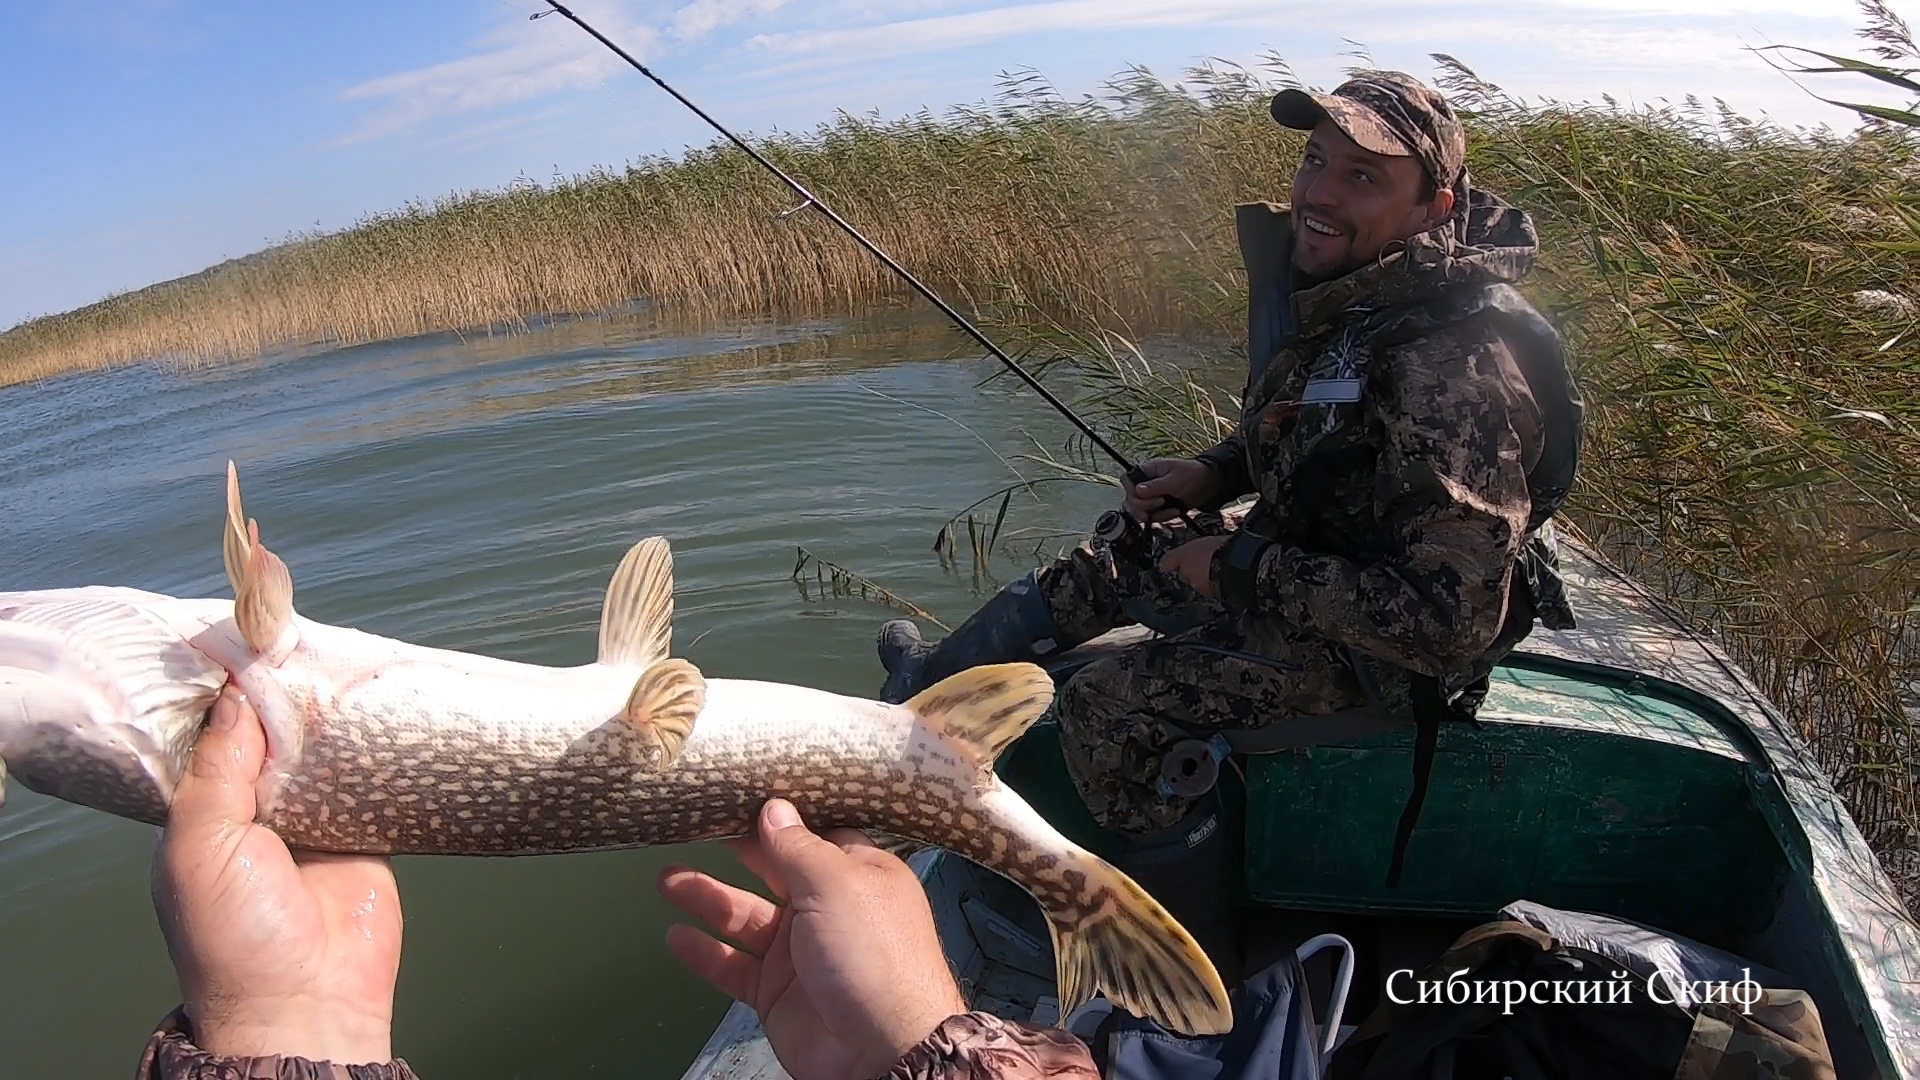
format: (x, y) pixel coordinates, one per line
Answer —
(1115, 527)
(1192, 767)
(1117, 538)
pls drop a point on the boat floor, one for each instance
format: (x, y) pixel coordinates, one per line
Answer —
(996, 940)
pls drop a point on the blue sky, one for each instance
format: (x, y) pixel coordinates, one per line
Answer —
(153, 138)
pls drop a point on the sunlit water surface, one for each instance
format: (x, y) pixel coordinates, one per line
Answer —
(475, 494)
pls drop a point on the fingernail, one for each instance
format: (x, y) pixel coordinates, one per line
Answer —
(781, 814)
(226, 713)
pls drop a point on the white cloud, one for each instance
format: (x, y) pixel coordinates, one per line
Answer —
(1396, 17)
(1576, 49)
(521, 60)
(702, 17)
(977, 27)
(530, 58)
(1637, 50)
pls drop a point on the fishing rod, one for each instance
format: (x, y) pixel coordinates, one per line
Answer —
(1134, 473)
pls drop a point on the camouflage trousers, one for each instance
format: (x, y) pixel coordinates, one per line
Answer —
(1209, 671)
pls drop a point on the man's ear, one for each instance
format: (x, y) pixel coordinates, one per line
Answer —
(1441, 207)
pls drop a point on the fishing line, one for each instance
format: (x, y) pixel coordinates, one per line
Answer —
(1134, 472)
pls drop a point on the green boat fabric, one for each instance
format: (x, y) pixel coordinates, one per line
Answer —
(1623, 767)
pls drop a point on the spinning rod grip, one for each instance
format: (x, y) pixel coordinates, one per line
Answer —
(1138, 476)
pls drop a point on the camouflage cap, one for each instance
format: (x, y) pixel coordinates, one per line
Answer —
(1385, 112)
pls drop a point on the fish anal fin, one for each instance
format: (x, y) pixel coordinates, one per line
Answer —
(234, 548)
(1119, 941)
(263, 606)
(986, 708)
(636, 622)
(662, 709)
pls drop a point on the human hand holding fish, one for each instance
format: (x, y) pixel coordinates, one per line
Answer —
(278, 953)
(375, 746)
(846, 973)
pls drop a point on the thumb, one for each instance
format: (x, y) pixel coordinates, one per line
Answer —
(218, 785)
(806, 862)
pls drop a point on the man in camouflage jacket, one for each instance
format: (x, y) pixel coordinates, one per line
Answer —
(1401, 528)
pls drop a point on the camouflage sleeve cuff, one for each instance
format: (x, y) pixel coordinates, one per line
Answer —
(1229, 463)
(981, 1046)
(171, 1055)
(1237, 567)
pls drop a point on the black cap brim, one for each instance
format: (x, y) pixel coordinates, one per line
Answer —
(1297, 109)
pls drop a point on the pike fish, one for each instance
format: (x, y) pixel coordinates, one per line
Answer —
(379, 746)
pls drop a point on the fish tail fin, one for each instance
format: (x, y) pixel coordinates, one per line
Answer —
(1108, 933)
(1119, 940)
(986, 708)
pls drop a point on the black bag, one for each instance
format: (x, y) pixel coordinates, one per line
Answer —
(1545, 994)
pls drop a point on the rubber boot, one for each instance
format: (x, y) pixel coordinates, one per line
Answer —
(1193, 870)
(1014, 624)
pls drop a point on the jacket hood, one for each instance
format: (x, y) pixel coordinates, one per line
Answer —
(1500, 245)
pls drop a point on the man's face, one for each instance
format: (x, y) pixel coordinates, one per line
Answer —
(1349, 203)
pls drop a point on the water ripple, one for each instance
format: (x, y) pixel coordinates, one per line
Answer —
(477, 494)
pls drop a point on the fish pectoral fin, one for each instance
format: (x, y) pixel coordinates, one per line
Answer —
(895, 844)
(1114, 937)
(263, 608)
(663, 707)
(262, 585)
(636, 622)
(986, 708)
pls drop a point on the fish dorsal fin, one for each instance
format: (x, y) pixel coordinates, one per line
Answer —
(986, 708)
(636, 622)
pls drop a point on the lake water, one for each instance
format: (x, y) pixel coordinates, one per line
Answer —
(476, 494)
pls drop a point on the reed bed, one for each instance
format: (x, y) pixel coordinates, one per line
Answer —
(1742, 308)
(1742, 305)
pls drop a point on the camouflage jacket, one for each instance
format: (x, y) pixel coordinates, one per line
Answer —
(981, 1046)
(1391, 431)
(969, 1046)
(171, 1054)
